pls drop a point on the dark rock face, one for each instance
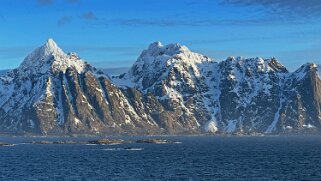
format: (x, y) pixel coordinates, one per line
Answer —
(169, 90)
(300, 110)
(4, 144)
(250, 93)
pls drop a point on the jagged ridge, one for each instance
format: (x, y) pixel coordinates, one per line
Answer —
(168, 90)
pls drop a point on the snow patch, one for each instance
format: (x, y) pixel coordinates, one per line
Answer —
(211, 127)
(288, 127)
(77, 121)
(309, 126)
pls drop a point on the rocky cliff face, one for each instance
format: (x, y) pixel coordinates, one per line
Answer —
(57, 93)
(236, 95)
(250, 93)
(300, 107)
(168, 90)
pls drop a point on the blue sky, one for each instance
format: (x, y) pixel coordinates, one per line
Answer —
(110, 33)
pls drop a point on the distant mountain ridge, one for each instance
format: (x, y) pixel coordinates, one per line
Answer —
(110, 71)
(168, 90)
(4, 71)
(114, 71)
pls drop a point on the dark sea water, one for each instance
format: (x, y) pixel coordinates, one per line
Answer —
(196, 158)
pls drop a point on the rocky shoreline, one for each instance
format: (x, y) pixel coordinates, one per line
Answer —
(103, 141)
(157, 141)
(4, 144)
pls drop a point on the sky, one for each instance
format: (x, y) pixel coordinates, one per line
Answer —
(112, 33)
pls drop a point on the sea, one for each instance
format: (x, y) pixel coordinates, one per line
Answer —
(190, 158)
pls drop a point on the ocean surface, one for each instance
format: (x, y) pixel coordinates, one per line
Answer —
(195, 158)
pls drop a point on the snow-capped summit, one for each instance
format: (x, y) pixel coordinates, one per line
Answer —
(55, 93)
(51, 47)
(157, 48)
(162, 54)
(157, 61)
(43, 53)
(50, 57)
(178, 78)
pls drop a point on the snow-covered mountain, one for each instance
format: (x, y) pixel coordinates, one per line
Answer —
(57, 93)
(168, 90)
(236, 95)
(174, 75)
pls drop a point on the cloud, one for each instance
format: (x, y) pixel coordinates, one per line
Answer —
(45, 2)
(289, 8)
(292, 36)
(186, 22)
(88, 16)
(64, 20)
(252, 13)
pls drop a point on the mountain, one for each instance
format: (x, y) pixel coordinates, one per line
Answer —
(57, 93)
(237, 95)
(114, 71)
(168, 90)
(109, 71)
(299, 110)
(173, 74)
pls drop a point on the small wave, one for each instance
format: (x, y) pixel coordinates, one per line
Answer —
(110, 149)
(10, 145)
(23, 144)
(134, 149)
(123, 149)
(114, 144)
(103, 144)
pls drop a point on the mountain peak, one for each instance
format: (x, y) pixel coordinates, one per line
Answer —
(158, 49)
(51, 43)
(51, 47)
(156, 44)
(50, 56)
